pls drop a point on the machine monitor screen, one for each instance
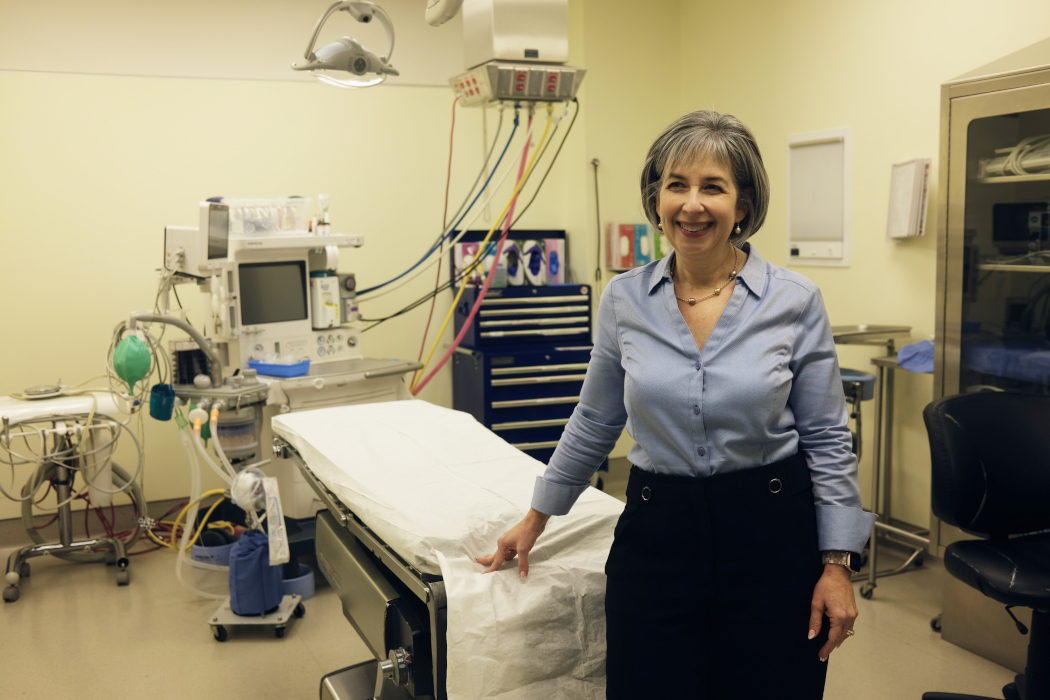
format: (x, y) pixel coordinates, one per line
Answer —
(218, 232)
(273, 292)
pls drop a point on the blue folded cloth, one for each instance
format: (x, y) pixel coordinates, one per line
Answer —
(917, 357)
(255, 586)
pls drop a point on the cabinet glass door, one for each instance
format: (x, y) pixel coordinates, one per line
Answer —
(999, 243)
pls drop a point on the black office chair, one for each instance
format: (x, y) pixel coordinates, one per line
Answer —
(991, 478)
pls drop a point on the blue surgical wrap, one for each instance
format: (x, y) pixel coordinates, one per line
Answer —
(917, 357)
(255, 586)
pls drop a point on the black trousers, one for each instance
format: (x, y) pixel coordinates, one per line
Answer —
(709, 587)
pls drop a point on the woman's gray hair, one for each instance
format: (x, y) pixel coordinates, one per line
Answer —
(707, 133)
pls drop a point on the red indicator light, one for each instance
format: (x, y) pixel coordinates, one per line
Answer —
(552, 78)
(520, 87)
(550, 88)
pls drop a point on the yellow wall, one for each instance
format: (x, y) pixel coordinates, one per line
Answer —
(791, 67)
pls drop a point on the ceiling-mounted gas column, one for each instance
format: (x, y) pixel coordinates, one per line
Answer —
(516, 50)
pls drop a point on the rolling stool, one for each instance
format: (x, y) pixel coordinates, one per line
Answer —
(858, 386)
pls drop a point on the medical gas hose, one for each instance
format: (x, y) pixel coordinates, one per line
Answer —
(522, 175)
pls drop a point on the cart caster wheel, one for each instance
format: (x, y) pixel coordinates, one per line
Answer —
(935, 624)
(278, 632)
(123, 577)
(300, 610)
(11, 594)
(867, 591)
(23, 570)
(918, 562)
(219, 632)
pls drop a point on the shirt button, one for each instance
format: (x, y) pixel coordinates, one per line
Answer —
(696, 409)
(696, 366)
(701, 451)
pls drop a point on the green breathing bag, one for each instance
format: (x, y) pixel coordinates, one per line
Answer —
(131, 361)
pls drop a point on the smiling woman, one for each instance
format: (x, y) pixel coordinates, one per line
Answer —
(723, 369)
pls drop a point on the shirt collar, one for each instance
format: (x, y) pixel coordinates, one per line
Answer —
(753, 274)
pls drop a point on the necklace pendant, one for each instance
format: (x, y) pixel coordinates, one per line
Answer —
(691, 301)
(718, 290)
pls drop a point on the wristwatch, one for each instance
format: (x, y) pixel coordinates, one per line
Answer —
(847, 559)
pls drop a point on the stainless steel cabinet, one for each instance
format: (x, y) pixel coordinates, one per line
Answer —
(993, 275)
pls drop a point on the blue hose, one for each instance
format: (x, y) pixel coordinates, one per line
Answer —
(452, 229)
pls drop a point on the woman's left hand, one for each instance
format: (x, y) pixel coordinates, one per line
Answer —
(833, 596)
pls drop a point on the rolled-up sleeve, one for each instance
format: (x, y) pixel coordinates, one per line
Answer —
(596, 423)
(819, 406)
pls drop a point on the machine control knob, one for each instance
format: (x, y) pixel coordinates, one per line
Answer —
(318, 383)
(402, 663)
(350, 283)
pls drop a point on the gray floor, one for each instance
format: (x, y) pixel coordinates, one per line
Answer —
(75, 633)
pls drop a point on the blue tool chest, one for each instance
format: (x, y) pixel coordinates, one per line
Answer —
(524, 387)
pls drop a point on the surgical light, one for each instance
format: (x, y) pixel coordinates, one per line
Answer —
(346, 54)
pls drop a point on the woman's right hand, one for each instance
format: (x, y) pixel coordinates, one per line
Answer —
(517, 542)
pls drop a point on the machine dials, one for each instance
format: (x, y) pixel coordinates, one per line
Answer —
(331, 344)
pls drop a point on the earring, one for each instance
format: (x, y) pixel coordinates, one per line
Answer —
(736, 231)
(660, 226)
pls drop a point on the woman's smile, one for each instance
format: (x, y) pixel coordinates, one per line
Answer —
(694, 228)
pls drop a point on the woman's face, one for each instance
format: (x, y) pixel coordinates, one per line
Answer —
(698, 208)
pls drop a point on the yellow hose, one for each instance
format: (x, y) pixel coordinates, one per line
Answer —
(178, 520)
(481, 247)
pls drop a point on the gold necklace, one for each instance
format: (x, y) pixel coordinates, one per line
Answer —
(718, 290)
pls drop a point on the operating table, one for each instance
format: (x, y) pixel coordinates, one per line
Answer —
(413, 493)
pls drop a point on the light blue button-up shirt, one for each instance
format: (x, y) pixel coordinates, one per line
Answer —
(765, 386)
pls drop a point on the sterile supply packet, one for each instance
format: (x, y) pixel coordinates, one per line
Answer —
(275, 515)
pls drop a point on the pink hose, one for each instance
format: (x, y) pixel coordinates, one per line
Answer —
(488, 279)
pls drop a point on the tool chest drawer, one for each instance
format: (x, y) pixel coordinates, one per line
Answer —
(555, 314)
(524, 394)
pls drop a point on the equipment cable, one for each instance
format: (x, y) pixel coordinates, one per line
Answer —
(451, 228)
(598, 221)
(509, 207)
(444, 223)
(481, 255)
